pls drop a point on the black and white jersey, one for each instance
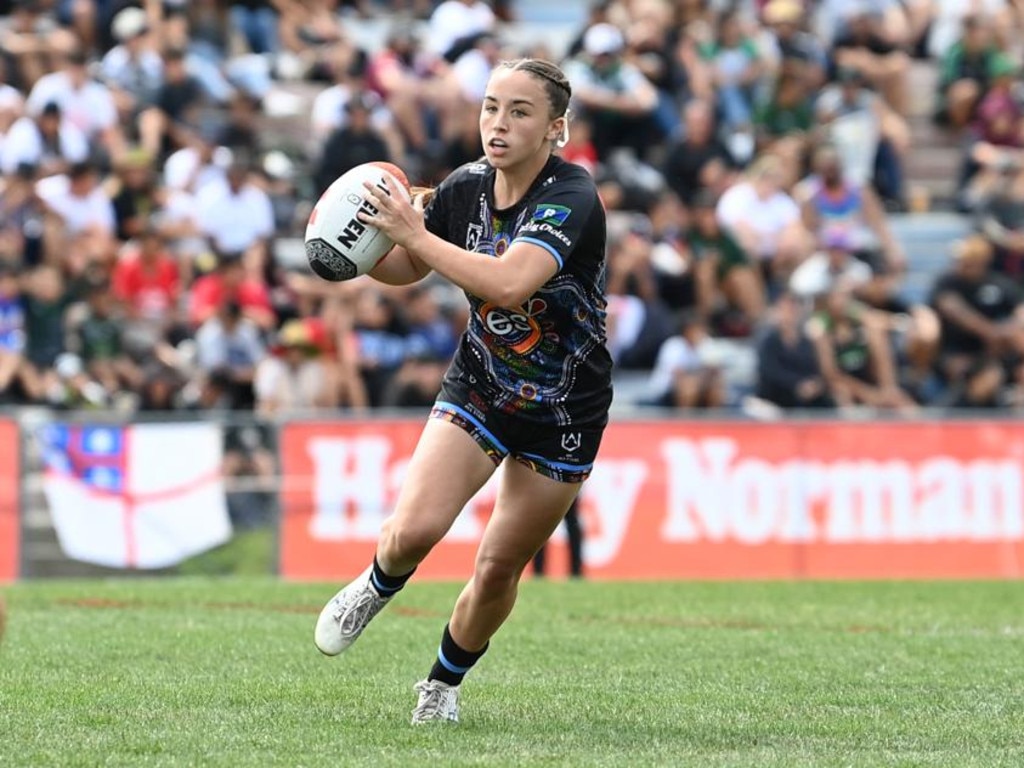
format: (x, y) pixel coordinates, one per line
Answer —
(546, 361)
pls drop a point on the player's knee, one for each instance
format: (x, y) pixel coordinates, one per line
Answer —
(495, 575)
(405, 541)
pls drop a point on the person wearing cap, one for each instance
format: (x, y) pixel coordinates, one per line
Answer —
(794, 51)
(294, 377)
(982, 316)
(615, 96)
(132, 69)
(45, 140)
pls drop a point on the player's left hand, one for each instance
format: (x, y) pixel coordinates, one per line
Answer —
(396, 217)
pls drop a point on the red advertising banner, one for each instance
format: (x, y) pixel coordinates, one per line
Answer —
(10, 507)
(703, 500)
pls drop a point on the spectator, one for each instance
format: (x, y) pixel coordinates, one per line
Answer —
(454, 22)
(765, 220)
(87, 104)
(699, 160)
(238, 217)
(228, 346)
(683, 376)
(855, 354)
(46, 141)
(829, 201)
(22, 218)
(82, 218)
(12, 328)
(353, 145)
(866, 46)
(788, 373)
(982, 326)
(1001, 220)
(724, 267)
(737, 68)
(869, 136)
(966, 72)
(784, 121)
(613, 94)
(997, 138)
(99, 343)
(146, 281)
(45, 299)
(257, 20)
(133, 193)
(796, 53)
(380, 344)
(134, 71)
(293, 377)
(229, 283)
(177, 103)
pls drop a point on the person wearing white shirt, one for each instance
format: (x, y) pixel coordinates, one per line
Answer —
(684, 374)
(47, 141)
(85, 215)
(457, 20)
(764, 218)
(87, 104)
(237, 218)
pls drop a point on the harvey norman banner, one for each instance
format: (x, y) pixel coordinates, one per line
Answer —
(704, 500)
(10, 508)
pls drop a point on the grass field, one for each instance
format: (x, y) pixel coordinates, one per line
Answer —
(210, 672)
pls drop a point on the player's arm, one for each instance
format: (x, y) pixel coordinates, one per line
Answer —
(399, 267)
(507, 281)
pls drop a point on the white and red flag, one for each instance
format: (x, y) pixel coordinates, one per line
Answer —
(135, 496)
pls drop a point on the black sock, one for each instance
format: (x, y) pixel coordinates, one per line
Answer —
(386, 585)
(453, 662)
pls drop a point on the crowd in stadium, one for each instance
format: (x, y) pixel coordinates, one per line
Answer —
(750, 155)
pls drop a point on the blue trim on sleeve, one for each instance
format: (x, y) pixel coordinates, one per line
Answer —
(546, 246)
(474, 421)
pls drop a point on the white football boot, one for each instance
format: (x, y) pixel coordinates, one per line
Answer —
(438, 701)
(346, 615)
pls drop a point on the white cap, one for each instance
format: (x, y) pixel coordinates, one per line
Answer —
(128, 23)
(603, 38)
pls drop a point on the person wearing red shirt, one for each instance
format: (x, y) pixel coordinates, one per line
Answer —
(147, 280)
(229, 282)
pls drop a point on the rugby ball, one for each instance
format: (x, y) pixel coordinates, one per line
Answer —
(338, 245)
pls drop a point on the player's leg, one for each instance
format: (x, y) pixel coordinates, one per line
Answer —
(528, 508)
(447, 468)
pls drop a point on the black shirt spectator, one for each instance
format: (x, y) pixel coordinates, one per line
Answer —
(353, 144)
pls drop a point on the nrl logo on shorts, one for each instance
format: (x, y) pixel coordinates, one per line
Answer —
(571, 441)
(551, 214)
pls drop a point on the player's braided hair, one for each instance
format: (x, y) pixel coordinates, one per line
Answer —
(556, 84)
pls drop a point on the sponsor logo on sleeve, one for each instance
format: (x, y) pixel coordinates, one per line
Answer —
(547, 213)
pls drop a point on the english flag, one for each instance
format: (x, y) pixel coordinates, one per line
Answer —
(136, 496)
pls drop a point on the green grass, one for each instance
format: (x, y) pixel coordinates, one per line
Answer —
(210, 672)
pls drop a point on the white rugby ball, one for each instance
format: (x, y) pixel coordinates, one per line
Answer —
(338, 245)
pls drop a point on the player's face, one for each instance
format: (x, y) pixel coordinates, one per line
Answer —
(515, 121)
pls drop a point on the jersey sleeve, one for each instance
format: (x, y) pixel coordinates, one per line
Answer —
(556, 222)
(436, 214)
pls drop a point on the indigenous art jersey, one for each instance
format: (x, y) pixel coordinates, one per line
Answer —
(545, 361)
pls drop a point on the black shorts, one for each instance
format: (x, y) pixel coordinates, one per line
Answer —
(563, 453)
